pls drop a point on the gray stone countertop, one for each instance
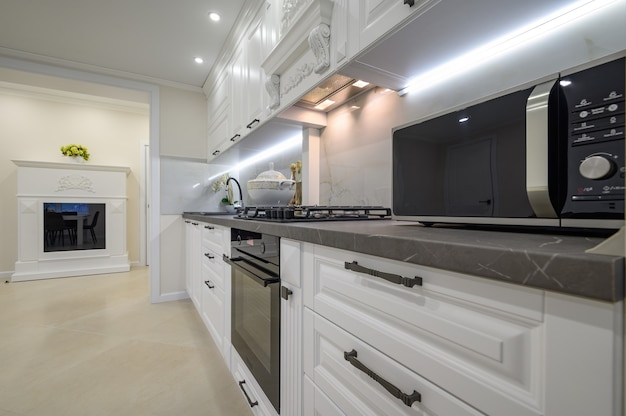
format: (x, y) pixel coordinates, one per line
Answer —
(550, 261)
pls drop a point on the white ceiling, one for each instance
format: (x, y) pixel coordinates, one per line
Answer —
(153, 40)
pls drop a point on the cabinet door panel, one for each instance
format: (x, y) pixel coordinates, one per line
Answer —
(472, 345)
(316, 403)
(357, 393)
(379, 17)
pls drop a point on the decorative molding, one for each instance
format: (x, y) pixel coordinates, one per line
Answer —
(272, 85)
(28, 206)
(301, 73)
(319, 42)
(299, 18)
(71, 166)
(75, 182)
(290, 11)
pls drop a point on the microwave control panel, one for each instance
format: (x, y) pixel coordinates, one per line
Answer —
(595, 142)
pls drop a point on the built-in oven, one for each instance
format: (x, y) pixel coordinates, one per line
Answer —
(255, 326)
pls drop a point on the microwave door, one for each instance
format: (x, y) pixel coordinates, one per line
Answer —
(538, 151)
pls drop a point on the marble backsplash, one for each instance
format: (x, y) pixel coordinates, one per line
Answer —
(186, 185)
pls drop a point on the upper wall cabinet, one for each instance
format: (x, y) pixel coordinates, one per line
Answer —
(238, 100)
(301, 57)
(377, 18)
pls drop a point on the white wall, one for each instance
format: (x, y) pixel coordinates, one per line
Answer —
(34, 125)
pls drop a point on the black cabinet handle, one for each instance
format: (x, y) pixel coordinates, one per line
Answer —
(407, 399)
(252, 123)
(285, 292)
(187, 222)
(194, 223)
(250, 402)
(209, 227)
(393, 278)
(411, 3)
(209, 256)
(208, 283)
(215, 153)
(235, 137)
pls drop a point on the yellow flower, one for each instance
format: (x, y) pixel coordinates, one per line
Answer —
(75, 150)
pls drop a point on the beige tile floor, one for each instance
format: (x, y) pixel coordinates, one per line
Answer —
(94, 345)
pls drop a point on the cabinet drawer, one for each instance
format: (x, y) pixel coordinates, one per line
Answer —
(357, 393)
(316, 403)
(213, 238)
(250, 389)
(482, 341)
(212, 268)
(213, 311)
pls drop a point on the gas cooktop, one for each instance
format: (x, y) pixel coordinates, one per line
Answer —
(314, 213)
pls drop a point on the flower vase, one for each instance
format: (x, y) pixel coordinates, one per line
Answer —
(76, 159)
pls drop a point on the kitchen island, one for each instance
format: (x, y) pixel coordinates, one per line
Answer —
(550, 261)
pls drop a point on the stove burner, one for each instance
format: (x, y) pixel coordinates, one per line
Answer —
(315, 213)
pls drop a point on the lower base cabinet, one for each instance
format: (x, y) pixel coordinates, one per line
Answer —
(461, 344)
(259, 403)
(363, 381)
(315, 402)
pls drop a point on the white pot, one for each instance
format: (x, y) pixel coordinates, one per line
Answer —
(271, 188)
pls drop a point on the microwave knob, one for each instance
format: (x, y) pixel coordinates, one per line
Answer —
(597, 167)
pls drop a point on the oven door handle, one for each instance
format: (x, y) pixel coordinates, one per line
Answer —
(259, 279)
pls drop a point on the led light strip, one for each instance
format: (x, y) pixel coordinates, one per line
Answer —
(272, 151)
(506, 43)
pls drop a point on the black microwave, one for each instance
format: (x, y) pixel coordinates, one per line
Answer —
(549, 155)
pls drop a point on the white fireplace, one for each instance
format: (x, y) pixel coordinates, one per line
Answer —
(91, 201)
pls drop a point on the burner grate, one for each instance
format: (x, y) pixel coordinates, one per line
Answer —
(315, 213)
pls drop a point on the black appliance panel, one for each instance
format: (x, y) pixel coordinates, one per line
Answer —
(595, 145)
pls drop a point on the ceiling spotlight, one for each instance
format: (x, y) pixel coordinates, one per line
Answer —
(325, 104)
(360, 84)
(214, 16)
(198, 60)
(463, 119)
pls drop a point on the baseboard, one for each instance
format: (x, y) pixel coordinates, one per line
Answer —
(170, 297)
(6, 276)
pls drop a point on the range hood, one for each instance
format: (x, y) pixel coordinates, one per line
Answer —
(333, 92)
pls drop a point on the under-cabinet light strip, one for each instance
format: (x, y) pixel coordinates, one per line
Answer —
(504, 44)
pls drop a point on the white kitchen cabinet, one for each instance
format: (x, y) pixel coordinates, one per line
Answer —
(497, 348)
(329, 353)
(219, 116)
(290, 328)
(259, 403)
(192, 261)
(316, 403)
(377, 18)
(207, 278)
(212, 285)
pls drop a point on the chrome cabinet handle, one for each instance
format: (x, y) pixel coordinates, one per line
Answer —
(208, 283)
(407, 399)
(250, 402)
(209, 255)
(393, 278)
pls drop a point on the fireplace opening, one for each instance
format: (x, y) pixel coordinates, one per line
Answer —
(73, 226)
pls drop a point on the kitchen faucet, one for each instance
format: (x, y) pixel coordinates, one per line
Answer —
(240, 193)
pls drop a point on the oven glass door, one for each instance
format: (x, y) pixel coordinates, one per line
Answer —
(256, 327)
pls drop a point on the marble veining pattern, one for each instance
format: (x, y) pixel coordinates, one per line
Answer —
(545, 261)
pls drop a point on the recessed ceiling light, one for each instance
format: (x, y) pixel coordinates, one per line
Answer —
(360, 84)
(198, 60)
(325, 104)
(214, 16)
